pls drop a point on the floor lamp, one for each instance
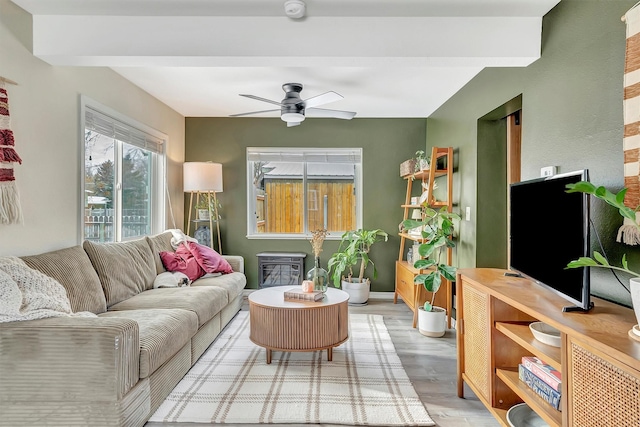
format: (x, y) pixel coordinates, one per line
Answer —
(204, 179)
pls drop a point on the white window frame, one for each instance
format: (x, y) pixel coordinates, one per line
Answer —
(159, 167)
(294, 153)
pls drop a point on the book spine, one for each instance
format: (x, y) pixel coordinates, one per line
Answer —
(541, 388)
(542, 371)
(300, 297)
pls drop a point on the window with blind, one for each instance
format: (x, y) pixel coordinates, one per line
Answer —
(293, 191)
(123, 176)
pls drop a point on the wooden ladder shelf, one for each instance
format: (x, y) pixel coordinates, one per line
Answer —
(415, 295)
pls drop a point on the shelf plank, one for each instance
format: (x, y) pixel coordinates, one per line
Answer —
(436, 204)
(425, 174)
(521, 334)
(535, 402)
(410, 237)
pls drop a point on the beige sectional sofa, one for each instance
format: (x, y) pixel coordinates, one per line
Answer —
(117, 368)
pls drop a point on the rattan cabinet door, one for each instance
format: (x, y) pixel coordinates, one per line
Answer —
(477, 339)
(602, 392)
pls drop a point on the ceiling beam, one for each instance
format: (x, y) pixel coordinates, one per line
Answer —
(354, 8)
(281, 42)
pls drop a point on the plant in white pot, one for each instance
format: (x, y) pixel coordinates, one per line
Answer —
(437, 231)
(422, 161)
(631, 229)
(205, 208)
(354, 248)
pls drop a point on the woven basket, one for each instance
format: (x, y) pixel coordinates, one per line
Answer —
(407, 167)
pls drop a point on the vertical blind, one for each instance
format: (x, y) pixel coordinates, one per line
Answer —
(108, 126)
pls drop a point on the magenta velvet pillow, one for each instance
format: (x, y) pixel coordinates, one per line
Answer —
(183, 261)
(210, 260)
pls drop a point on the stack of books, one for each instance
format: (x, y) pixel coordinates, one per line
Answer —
(296, 294)
(541, 378)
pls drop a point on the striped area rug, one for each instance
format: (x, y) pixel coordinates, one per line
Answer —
(365, 384)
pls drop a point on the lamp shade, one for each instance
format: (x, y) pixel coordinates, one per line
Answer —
(202, 176)
(416, 214)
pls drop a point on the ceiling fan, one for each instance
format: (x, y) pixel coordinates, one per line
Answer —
(293, 109)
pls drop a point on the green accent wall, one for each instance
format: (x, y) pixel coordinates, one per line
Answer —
(571, 118)
(385, 142)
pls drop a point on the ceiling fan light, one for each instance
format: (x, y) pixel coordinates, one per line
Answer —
(292, 117)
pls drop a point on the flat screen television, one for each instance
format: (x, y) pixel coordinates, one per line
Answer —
(549, 228)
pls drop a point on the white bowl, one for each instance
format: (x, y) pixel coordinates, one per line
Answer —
(545, 334)
(521, 415)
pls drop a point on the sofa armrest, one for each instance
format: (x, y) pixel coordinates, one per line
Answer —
(68, 358)
(236, 261)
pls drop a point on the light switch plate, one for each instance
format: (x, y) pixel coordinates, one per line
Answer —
(467, 213)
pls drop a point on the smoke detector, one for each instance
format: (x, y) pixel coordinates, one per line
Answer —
(294, 8)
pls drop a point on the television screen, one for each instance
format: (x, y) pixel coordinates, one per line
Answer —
(549, 228)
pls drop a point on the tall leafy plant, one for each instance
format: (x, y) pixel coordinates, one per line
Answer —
(354, 248)
(437, 231)
(615, 200)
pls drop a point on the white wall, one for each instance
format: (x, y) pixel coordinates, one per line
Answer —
(45, 117)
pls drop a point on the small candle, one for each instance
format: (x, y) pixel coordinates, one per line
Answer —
(307, 286)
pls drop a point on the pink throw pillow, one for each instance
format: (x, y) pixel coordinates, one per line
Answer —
(210, 260)
(182, 261)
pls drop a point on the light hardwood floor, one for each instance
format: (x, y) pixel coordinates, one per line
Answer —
(430, 363)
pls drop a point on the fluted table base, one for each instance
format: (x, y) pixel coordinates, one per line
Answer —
(281, 325)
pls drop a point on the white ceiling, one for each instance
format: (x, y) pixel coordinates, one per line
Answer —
(388, 58)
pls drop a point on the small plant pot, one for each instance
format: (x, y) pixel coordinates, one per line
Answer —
(358, 292)
(204, 214)
(432, 323)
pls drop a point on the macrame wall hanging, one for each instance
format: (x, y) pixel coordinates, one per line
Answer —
(629, 232)
(10, 209)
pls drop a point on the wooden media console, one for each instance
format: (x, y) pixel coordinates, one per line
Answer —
(599, 362)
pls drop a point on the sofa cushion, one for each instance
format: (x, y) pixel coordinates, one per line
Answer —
(210, 260)
(233, 283)
(160, 243)
(73, 269)
(162, 334)
(182, 261)
(125, 269)
(204, 301)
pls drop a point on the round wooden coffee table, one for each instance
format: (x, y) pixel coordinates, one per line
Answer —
(276, 324)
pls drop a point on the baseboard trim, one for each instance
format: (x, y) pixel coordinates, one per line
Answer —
(382, 295)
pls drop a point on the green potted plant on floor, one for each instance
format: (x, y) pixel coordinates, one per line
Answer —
(354, 248)
(437, 232)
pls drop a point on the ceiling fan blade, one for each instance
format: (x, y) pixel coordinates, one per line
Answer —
(292, 124)
(336, 114)
(253, 112)
(261, 99)
(324, 98)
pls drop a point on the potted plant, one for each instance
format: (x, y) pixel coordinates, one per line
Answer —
(598, 260)
(354, 248)
(205, 208)
(422, 161)
(437, 231)
(318, 275)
